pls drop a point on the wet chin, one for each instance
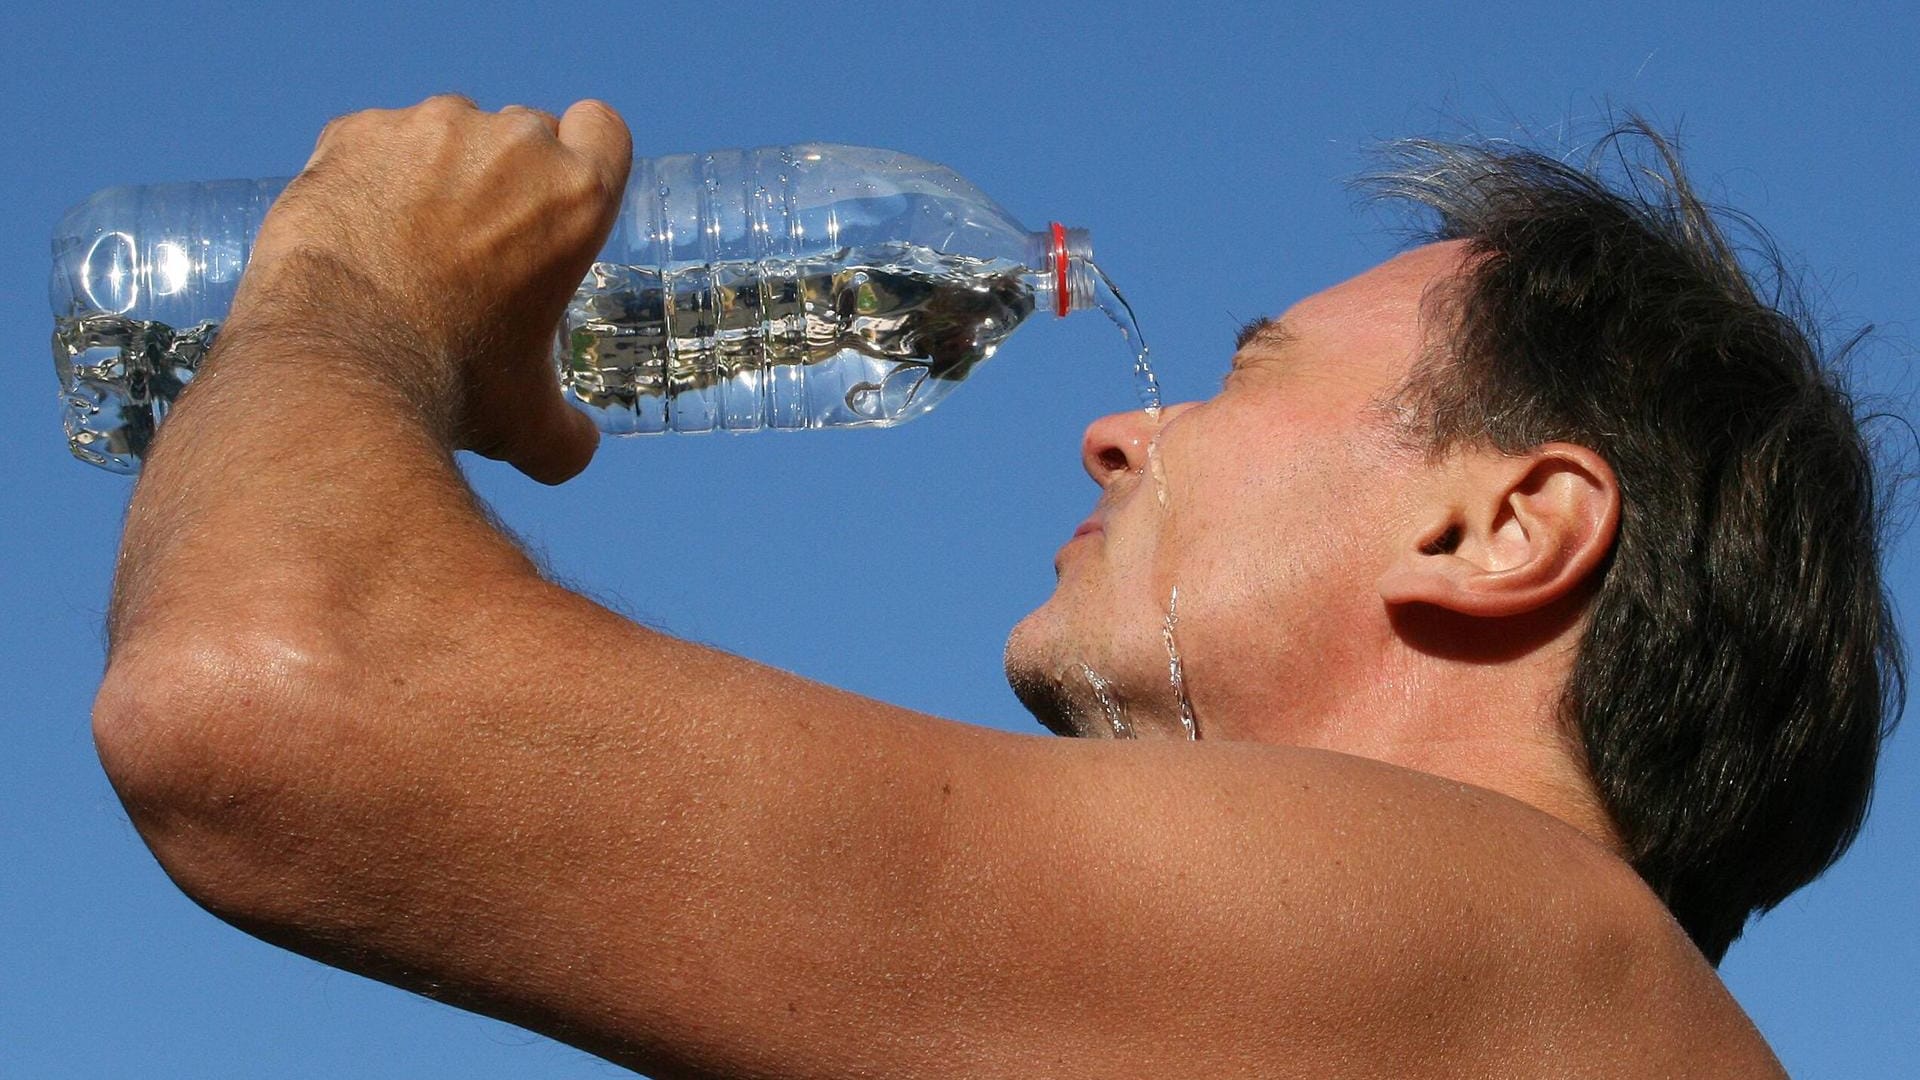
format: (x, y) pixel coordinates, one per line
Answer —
(1033, 673)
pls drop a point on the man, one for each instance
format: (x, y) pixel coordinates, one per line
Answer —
(1524, 589)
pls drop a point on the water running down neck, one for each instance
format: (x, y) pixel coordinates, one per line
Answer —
(1103, 693)
(1174, 672)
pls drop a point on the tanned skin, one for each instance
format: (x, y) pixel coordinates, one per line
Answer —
(331, 707)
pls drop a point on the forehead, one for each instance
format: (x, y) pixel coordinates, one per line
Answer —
(1369, 325)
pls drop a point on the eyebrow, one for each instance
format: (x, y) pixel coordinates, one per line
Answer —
(1265, 330)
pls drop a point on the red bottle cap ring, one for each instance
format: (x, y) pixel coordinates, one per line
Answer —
(1059, 269)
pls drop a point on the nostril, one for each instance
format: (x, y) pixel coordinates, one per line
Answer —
(1113, 460)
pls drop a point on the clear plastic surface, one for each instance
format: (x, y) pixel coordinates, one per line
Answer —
(789, 287)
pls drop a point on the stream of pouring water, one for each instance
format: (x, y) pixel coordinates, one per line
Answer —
(1117, 310)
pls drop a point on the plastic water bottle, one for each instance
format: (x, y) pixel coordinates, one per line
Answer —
(786, 287)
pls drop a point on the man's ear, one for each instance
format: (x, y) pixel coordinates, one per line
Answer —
(1507, 534)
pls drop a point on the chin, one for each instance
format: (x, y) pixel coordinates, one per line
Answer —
(1033, 666)
(1044, 643)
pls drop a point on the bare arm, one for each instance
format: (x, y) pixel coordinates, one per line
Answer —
(343, 709)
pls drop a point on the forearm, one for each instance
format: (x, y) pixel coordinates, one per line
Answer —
(296, 489)
(301, 553)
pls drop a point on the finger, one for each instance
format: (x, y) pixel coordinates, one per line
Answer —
(594, 131)
(551, 121)
(582, 440)
(562, 446)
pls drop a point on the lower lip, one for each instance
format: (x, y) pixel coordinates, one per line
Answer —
(1072, 540)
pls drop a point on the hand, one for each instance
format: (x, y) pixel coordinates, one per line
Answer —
(439, 245)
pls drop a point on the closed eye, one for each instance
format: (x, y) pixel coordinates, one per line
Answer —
(1270, 334)
(1251, 329)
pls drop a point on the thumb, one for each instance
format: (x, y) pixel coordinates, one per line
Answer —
(558, 448)
(594, 131)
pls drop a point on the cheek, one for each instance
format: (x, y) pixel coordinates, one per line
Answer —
(1219, 562)
(1252, 543)
(1260, 504)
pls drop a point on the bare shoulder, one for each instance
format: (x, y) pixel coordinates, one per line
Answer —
(1380, 921)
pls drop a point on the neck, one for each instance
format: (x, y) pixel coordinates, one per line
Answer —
(1544, 772)
(1494, 723)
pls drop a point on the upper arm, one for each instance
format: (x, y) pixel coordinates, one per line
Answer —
(700, 866)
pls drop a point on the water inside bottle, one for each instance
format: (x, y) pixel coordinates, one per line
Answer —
(850, 338)
(118, 378)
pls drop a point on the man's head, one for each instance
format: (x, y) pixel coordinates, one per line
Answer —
(1280, 509)
(1564, 460)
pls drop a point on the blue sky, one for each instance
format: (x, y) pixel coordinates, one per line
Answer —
(1204, 147)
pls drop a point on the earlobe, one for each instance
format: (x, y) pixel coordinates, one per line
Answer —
(1508, 534)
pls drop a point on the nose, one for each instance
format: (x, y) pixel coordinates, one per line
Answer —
(1117, 443)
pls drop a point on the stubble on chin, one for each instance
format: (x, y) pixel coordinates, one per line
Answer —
(1040, 680)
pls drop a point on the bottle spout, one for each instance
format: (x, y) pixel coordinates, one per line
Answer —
(1065, 262)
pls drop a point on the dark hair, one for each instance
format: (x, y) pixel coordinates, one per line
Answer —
(1740, 665)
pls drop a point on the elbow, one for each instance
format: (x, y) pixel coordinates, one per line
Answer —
(206, 744)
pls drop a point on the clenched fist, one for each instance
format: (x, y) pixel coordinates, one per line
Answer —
(434, 248)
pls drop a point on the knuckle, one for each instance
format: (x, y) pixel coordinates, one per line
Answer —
(348, 123)
(449, 102)
(338, 124)
(334, 131)
(527, 123)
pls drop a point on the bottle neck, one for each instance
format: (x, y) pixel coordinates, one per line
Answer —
(1063, 269)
